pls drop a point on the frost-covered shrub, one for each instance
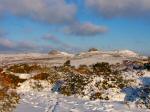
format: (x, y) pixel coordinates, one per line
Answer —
(8, 102)
(74, 84)
(97, 95)
(101, 68)
(92, 81)
(144, 97)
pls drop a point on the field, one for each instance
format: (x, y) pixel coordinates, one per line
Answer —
(94, 81)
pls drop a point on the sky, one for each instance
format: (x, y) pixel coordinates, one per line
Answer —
(74, 25)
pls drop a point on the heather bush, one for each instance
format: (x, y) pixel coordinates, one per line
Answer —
(74, 84)
(24, 68)
(101, 68)
(49, 74)
(10, 80)
(84, 69)
(144, 97)
(8, 102)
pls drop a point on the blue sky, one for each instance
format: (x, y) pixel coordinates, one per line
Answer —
(74, 25)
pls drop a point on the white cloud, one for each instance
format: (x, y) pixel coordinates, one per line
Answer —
(51, 11)
(6, 43)
(10, 45)
(85, 29)
(120, 8)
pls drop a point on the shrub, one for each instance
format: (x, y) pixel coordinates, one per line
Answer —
(84, 69)
(8, 102)
(49, 74)
(144, 97)
(24, 68)
(67, 63)
(41, 76)
(73, 84)
(101, 68)
(95, 96)
(9, 80)
(147, 66)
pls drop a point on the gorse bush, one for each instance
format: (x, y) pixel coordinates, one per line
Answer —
(80, 80)
(74, 84)
(101, 68)
(76, 81)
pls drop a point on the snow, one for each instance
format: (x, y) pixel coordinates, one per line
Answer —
(44, 100)
(23, 76)
(67, 54)
(127, 53)
(36, 96)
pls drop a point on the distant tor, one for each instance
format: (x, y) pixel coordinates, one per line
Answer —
(92, 49)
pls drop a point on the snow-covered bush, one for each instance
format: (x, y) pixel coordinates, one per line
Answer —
(101, 69)
(8, 102)
(74, 84)
(144, 97)
(10, 80)
(94, 85)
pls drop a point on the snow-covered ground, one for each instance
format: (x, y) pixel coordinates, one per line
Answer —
(82, 58)
(47, 101)
(42, 99)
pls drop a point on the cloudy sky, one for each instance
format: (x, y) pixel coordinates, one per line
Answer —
(74, 25)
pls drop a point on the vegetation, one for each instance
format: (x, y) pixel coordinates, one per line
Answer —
(144, 97)
(75, 79)
(73, 84)
(23, 68)
(9, 80)
(8, 102)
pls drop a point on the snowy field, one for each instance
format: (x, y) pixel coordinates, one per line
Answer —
(44, 100)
